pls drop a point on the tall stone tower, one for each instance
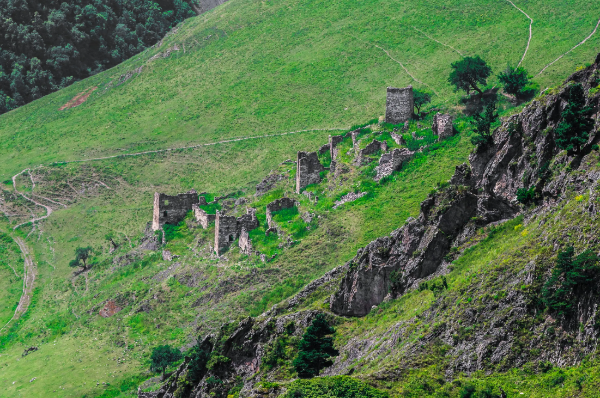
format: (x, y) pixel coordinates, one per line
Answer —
(400, 105)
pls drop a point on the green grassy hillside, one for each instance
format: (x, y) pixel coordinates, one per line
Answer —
(245, 69)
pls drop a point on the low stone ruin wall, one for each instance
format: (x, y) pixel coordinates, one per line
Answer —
(373, 147)
(202, 216)
(277, 205)
(229, 228)
(392, 161)
(442, 126)
(172, 209)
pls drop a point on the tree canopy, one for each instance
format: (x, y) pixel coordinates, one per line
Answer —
(82, 254)
(163, 356)
(482, 124)
(47, 45)
(315, 348)
(468, 73)
(516, 82)
(574, 129)
(421, 97)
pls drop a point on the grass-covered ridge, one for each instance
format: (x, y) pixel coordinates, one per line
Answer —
(250, 68)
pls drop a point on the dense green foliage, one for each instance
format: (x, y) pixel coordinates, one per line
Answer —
(516, 82)
(421, 97)
(574, 129)
(315, 348)
(468, 73)
(333, 387)
(482, 124)
(82, 254)
(525, 195)
(572, 275)
(163, 356)
(47, 45)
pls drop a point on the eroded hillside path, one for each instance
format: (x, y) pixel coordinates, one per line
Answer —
(530, 31)
(578, 44)
(28, 281)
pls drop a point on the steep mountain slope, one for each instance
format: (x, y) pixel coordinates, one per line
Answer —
(244, 70)
(458, 295)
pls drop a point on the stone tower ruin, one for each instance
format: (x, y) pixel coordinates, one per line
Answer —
(400, 105)
(172, 209)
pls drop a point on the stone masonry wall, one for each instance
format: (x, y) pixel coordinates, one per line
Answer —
(392, 161)
(334, 140)
(400, 105)
(172, 209)
(226, 231)
(371, 148)
(202, 216)
(308, 170)
(277, 205)
(442, 126)
(245, 243)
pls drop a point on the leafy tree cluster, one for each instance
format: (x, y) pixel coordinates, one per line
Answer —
(468, 73)
(525, 195)
(315, 348)
(571, 276)
(82, 255)
(516, 82)
(49, 44)
(574, 129)
(163, 356)
(482, 125)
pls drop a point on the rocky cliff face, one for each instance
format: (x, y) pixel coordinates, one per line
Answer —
(523, 155)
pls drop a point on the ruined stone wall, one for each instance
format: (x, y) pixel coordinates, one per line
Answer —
(226, 231)
(268, 183)
(333, 143)
(172, 209)
(202, 216)
(392, 161)
(400, 105)
(248, 221)
(245, 243)
(442, 126)
(277, 205)
(370, 149)
(308, 169)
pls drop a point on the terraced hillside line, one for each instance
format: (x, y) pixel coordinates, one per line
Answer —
(580, 43)
(34, 219)
(398, 62)
(28, 281)
(439, 42)
(530, 31)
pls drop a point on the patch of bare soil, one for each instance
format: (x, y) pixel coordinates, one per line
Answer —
(78, 99)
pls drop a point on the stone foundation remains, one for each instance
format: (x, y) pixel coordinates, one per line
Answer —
(392, 161)
(442, 126)
(268, 183)
(400, 105)
(202, 216)
(277, 205)
(308, 170)
(172, 209)
(373, 147)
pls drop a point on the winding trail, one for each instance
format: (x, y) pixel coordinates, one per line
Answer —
(439, 42)
(580, 43)
(398, 62)
(530, 31)
(28, 281)
(49, 209)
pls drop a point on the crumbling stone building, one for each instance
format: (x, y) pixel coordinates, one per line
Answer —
(202, 216)
(372, 148)
(308, 170)
(229, 228)
(172, 209)
(400, 105)
(277, 205)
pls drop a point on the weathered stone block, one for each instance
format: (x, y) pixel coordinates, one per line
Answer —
(172, 209)
(202, 216)
(400, 105)
(371, 148)
(392, 161)
(308, 170)
(245, 243)
(442, 126)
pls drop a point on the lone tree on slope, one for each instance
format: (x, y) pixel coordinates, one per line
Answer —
(315, 349)
(574, 129)
(163, 356)
(516, 82)
(421, 97)
(82, 254)
(468, 73)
